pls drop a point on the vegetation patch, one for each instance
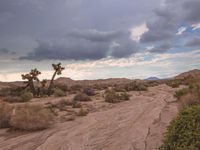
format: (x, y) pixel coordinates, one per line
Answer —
(113, 97)
(58, 92)
(136, 86)
(5, 115)
(82, 97)
(89, 91)
(184, 131)
(31, 117)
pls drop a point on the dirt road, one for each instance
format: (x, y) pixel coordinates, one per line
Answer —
(137, 124)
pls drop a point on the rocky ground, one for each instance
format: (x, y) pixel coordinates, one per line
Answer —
(137, 124)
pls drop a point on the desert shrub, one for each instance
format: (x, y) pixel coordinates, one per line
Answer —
(89, 91)
(189, 96)
(5, 115)
(113, 97)
(12, 99)
(76, 104)
(124, 96)
(183, 132)
(11, 91)
(136, 86)
(31, 117)
(174, 83)
(59, 93)
(119, 88)
(188, 100)
(63, 87)
(81, 97)
(178, 94)
(82, 112)
(26, 96)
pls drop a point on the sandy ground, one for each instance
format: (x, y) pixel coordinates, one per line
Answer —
(137, 124)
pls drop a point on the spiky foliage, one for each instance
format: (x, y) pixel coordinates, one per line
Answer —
(31, 77)
(58, 71)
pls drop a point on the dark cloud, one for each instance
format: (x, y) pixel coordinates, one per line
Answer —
(5, 51)
(169, 18)
(161, 48)
(195, 42)
(192, 11)
(95, 36)
(82, 45)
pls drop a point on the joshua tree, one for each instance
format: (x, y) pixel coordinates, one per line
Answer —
(43, 83)
(58, 70)
(31, 77)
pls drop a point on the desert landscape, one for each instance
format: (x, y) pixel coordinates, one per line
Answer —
(99, 75)
(107, 114)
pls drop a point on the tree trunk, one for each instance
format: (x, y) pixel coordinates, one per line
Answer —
(32, 87)
(51, 84)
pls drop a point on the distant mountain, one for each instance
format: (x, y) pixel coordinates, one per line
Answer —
(189, 74)
(152, 78)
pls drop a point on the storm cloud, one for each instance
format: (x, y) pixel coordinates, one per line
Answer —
(169, 18)
(83, 45)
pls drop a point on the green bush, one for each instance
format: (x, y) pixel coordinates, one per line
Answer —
(59, 93)
(14, 92)
(31, 117)
(184, 132)
(136, 86)
(178, 94)
(174, 83)
(114, 97)
(5, 115)
(26, 96)
(82, 97)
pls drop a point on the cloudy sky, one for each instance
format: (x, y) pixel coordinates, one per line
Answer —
(99, 39)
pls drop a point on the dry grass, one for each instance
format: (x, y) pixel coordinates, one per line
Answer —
(5, 115)
(113, 97)
(31, 117)
(82, 97)
(82, 112)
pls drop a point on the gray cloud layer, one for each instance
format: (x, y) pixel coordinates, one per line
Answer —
(81, 45)
(88, 29)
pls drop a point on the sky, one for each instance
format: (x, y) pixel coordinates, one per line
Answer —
(99, 39)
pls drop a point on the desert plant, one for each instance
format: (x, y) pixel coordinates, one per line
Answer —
(82, 97)
(136, 86)
(89, 91)
(183, 132)
(124, 96)
(178, 94)
(113, 97)
(82, 112)
(57, 71)
(31, 77)
(58, 92)
(63, 87)
(188, 100)
(76, 104)
(174, 83)
(5, 115)
(26, 96)
(31, 117)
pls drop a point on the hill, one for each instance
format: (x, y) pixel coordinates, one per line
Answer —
(189, 74)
